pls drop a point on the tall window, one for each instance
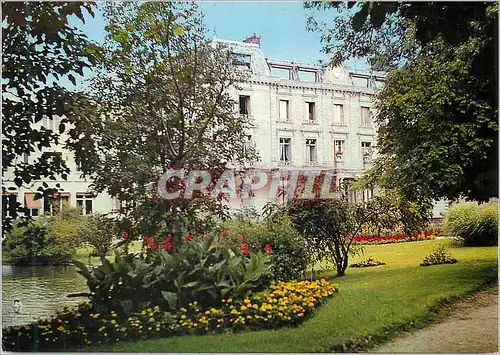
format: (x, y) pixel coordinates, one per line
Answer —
(244, 105)
(54, 204)
(339, 150)
(247, 144)
(285, 150)
(366, 151)
(84, 203)
(52, 124)
(311, 151)
(311, 111)
(338, 114)
(33, 206)
(284, 110)
(9, 205)
(52, 157)
(365, 117)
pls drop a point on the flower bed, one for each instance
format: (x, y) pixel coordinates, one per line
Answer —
(368, 262)
(366, 239)
(438, 256)
(283, 304)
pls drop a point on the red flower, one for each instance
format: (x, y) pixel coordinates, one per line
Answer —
(224, 234)
(268, 248)
(150, 243)
(241, 238)
(244, 249)
(124, 235)
(188, 238)
(204, 237)
(167, 243)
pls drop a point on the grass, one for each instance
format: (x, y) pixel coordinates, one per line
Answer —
(82, 252)
(372, 305)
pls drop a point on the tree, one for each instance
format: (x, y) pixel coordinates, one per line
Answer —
(39, 48)
(98, 231)
(437, 113)
(330, 226)
(160, 101)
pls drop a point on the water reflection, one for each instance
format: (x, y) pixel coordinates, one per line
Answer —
(41, 290)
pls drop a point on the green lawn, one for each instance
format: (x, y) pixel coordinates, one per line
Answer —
(372, 304)
(82, 253)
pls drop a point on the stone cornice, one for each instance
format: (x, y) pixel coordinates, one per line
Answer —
(316, 88)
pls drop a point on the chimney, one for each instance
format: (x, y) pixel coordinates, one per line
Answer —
(254, 39)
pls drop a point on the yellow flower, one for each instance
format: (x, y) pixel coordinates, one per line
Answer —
(243, 308)
(247, 300)
(183, 316)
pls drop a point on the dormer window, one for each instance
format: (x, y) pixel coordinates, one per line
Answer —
(241, 60)
(285, 73)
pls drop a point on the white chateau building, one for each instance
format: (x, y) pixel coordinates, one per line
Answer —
(305, 116)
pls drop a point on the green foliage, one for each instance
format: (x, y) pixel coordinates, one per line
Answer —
(330, 226)
(443, 95)
(435, 227)
(81, 326)
(99, 231)
(170, 87)
(289, 248)
(476, 224)
(33, 242)
(198, 270)
(39, 48)
(438, 256)
(396, 298)
(64, 225)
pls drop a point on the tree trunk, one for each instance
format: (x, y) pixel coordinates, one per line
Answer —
(342, 265)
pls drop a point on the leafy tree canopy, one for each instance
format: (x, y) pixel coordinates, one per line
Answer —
(39, 48)
(160, 100)
(437, 114)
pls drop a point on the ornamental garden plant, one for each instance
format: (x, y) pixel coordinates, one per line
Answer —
(368, 262)
(283, 304)
(195, 285)
(399, 238)
(438, 256)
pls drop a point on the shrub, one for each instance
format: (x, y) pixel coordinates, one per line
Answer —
(476, 224)
(99, 232)
(330, 226)
(64, 225)
(283, 304)
(367, 262)
(38, 242)
(289, 248)
(438, 256)
(171, 276)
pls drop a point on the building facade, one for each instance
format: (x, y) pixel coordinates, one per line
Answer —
(304, 116)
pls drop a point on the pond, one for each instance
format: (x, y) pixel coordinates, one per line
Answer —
(41, 289)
